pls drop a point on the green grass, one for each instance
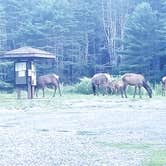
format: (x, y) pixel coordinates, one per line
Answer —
(158, 158)
(134, 146)
(128, 146)
(10, 101)
(57, 101)
(156, 155)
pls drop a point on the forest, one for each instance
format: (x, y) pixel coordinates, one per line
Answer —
(87, 36)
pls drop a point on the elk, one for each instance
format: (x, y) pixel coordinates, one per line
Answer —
(100, 80)
(136, 80)
(49, 80)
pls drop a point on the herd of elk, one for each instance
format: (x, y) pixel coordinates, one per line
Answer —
(132, 79)
(105, 82)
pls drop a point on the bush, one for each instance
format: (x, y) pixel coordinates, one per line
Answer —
(157, 89)
(83, 87)
(7, 87)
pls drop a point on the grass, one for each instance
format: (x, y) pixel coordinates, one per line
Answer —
(57, 101)
(158, 158)
(128, 146)
(10, 101)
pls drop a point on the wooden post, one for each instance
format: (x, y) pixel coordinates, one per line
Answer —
(29, 85)
(31, 79)
(33, 91)
(18, 91)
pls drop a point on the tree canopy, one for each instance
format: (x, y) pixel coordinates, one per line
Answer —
(114, 36)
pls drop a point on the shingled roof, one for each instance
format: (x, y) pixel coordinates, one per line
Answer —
(27, 52)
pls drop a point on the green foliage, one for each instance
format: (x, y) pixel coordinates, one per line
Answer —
(4, 86)
(3, 36)
(7, 71)
(83, 87)
(69, 29)
(143, 42)
(73, 31)
(158, 158)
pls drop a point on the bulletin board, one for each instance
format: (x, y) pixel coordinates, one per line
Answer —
(20, 73)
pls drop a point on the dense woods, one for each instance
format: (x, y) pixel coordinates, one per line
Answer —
(87, 36)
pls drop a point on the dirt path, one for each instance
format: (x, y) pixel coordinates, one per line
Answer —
(84, 131)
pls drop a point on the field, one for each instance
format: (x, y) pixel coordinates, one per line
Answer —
(78, 130)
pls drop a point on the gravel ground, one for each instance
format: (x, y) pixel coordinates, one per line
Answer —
(83, 132)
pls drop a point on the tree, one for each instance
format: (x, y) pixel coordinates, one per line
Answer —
(114, 14)
(142, 42)
(3, 35)
(162, 17)
(86, 35)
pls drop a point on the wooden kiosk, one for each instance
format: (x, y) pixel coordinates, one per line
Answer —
(24, 67)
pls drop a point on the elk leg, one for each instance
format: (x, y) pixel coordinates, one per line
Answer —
(140, 92)
(59, 90)
(97, 90)
(54, 91)
(94, 90)
(116, 91)
(36, 91)
(135, 91)
(124, 89)
(121, 92)
(43, 92)
(104, 90)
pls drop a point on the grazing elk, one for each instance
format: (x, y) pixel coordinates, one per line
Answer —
(120, 87)
(100, 80)
(136, 80)
(50, 80)
(117, 86)
(111, 87)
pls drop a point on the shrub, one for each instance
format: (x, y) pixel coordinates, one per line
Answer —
(4, 86)
(82, 87)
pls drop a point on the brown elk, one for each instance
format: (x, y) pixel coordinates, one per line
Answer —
(117, 86)
(111, 87)
(50, 80)
(100, 80)
(163, 80)
(136, 80)
(120, 87)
